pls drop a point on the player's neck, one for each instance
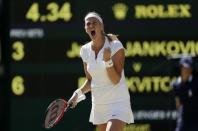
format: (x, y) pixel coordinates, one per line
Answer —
(98, 43)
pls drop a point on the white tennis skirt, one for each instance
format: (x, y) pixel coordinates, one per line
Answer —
(102, 113)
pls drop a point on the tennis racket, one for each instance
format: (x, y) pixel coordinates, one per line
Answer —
(56, 110)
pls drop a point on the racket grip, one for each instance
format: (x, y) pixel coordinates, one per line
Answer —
(80, 98)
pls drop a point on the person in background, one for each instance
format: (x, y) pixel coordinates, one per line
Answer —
(103, 60)
(186, 96)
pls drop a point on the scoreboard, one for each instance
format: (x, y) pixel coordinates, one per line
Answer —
(45, 38)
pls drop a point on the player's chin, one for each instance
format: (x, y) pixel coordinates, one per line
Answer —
(92, 37)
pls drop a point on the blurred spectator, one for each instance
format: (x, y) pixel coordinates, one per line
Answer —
(186, 96)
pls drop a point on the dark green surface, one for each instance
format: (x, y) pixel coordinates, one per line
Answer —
(28, 114)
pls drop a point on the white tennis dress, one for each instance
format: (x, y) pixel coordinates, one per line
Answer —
(109, 101)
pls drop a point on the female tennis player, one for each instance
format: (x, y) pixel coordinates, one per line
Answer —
(103, 59)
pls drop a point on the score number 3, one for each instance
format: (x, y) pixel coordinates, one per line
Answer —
(19, 52)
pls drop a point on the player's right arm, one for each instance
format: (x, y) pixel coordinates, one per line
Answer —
(86, 87)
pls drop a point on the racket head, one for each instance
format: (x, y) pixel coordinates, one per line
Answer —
(55, 112)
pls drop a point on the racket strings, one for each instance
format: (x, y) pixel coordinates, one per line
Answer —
(54, 113)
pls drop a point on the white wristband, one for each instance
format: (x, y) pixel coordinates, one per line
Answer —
(109, 63)
(81, 96)
(79, 92)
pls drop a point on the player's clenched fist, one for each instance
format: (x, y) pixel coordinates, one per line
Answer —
(107, 54)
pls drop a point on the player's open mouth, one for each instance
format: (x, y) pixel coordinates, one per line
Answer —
(93, 33)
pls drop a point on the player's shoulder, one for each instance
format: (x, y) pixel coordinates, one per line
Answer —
(86, 46)
(116, 43)
(84, 51)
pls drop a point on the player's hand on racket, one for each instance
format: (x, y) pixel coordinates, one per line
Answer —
(77, 97)
(58, 107)
(73, 100)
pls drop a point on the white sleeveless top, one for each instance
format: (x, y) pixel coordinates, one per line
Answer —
(102, 89)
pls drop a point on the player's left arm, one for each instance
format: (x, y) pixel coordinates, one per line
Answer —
(114, 72)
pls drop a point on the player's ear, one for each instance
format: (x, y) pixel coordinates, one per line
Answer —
(102, 27)
(85, 29)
